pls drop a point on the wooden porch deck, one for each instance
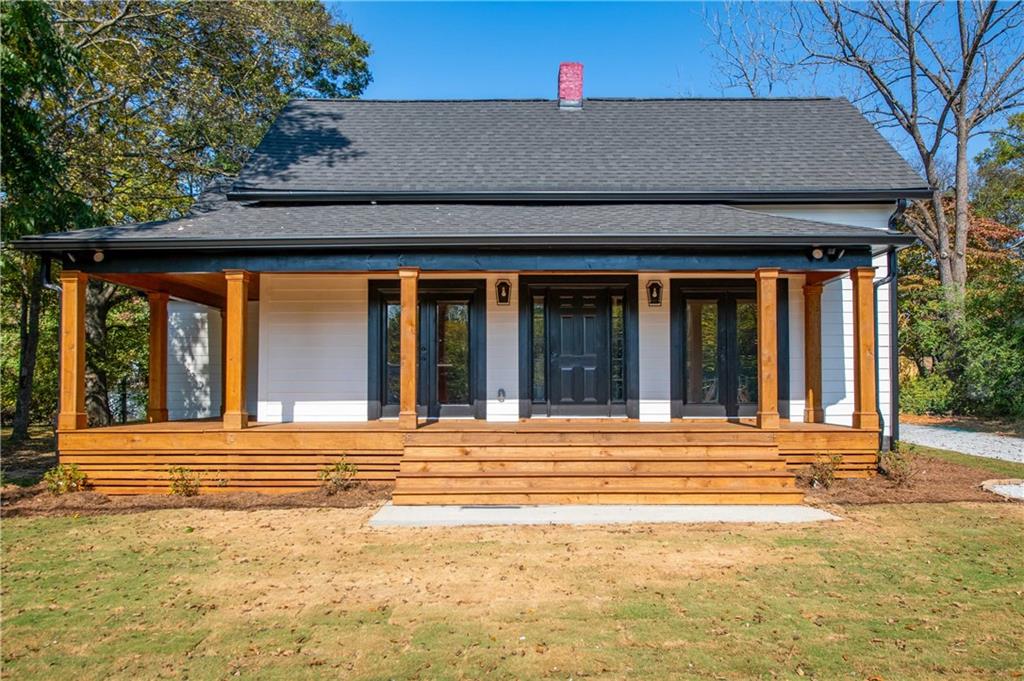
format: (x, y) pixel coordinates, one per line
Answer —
(467, 461)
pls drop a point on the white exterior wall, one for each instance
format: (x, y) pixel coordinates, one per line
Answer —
(312, 347)
(837, 349)
(655, 352)
(502, 351)
(797, 383)
(193, 361)
(874, 215)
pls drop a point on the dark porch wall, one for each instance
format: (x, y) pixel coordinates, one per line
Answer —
(478, 260)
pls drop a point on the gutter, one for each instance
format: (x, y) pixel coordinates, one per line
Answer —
(42, 244)
(585, 196)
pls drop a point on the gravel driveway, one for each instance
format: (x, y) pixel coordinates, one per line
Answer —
(966, 441)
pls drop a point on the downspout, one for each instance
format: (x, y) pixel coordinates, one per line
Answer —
(892, 271)
(44, 277)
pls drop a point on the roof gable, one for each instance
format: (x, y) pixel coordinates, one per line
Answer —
(681, 146)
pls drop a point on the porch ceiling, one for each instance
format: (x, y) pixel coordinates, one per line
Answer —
(206, 288)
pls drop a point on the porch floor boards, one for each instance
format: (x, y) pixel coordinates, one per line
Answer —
(478, 462)
(463, 425)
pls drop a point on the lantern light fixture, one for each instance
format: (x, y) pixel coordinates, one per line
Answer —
(654, 292)
(503, 291)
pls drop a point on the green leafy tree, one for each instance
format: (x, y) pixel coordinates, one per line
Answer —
(1000, 194)
(162, 97)
(35, 62)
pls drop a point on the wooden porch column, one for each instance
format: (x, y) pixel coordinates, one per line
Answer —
(767, 348)
(157, 410)
(72, 350)
(409, 347)
(865, 402)
(236, 306)
(813, 410)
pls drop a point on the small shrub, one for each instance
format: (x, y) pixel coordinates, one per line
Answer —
(184, 481)
(64, 478)
(932, 394)
(898, 465)
(822, 471)
(337, 477)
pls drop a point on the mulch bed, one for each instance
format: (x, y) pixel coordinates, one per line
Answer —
(936, 481)
(35, 501)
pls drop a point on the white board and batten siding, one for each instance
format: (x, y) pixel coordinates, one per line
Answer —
(313, 348)
(194, 360)
(502, 351)
(655, 351)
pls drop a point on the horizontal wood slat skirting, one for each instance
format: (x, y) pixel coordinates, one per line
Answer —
(475, 462)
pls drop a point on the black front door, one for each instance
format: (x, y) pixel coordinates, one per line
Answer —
(578, 346)
(579, 354)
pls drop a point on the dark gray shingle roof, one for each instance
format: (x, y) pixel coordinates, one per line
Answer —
(681, 145)
(363, 223)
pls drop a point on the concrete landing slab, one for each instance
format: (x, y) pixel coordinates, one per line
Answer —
(571, 514)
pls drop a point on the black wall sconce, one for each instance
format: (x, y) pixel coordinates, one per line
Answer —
(503, 291)
(654, 293)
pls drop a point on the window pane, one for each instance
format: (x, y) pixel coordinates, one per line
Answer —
(539, 350)
(453, 353)
(702, 371)
(746, 341)
(618, 350)
(392, 345)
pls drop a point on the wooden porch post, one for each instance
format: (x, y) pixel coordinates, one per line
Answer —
(767, 348)
(72, 351)
(813, 411)
(865, 403)
(157, 410)
(409, 347)
(236, 307)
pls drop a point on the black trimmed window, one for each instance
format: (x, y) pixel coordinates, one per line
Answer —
(539, 350)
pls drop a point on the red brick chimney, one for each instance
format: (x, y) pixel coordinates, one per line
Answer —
(570, 85)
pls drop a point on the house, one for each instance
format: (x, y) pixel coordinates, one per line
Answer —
(514, 301)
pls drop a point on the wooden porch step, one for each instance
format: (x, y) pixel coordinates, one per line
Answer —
(549, 451)
(568, 464)
(595, 482)
(494, 498)
(599, 438)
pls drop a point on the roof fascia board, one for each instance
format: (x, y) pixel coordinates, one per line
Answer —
(831, 196)
(37, 244)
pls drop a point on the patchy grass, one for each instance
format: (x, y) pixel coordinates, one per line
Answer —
(998, 467)
(25, 462)
(893, 591)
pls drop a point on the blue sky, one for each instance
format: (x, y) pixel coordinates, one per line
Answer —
(512, 50)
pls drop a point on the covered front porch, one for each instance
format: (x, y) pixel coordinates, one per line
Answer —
(568, 386)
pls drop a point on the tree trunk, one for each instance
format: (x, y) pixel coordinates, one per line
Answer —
(31, 303)
(962, 221)
(101, 297)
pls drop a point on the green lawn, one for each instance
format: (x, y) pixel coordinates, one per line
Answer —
(893, 592)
